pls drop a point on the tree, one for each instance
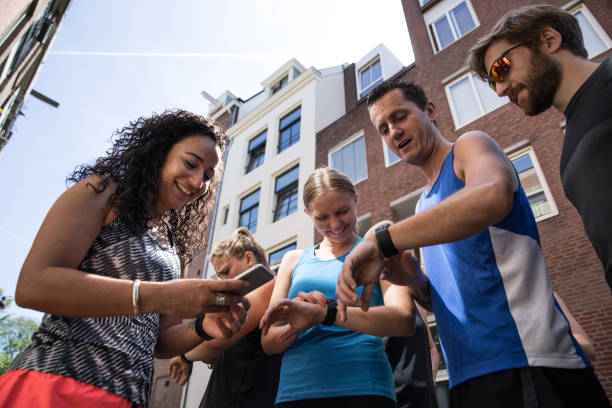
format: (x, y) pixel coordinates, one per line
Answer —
(15, 334)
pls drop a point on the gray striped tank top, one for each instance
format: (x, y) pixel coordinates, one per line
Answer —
(113, 353)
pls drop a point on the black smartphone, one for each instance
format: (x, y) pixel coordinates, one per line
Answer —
(256, 276)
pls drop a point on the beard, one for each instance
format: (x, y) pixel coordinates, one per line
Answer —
(542, 83)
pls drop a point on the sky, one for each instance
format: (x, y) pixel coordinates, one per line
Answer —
(115, 60)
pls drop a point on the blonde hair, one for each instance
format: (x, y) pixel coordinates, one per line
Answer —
(237, 245)
(323, 180)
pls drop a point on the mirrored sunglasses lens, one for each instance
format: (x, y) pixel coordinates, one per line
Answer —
(499, 68)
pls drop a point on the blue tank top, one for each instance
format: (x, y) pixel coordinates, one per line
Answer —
(492, 294)
(331, 361)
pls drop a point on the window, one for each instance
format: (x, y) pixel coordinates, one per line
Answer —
(533, 183)
(470, 98)
(18, 24)
(286, 190)
(225, 214)
(390, 157)
(452, 25)
(257, 150)
(595, 38)
(290, 129)
(351, 159)
(280, 85)
(249, 207)
(275, 257)
(369, 77)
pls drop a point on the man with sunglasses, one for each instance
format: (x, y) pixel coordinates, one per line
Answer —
(536, 57)
(505, 341)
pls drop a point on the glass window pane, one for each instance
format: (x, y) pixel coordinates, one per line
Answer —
(445, 35)
(336, 160)
(464, 101)
(276, 256)
(286, 203)
(490, 100)
(393, 158)
(258, 140)
(287, 179)
(592, 42)
(365, 78)
(376, 71)
(359, 163)
(248, 219)
(462, 19)
(351, 160)
(287, 120)
(249, 201)
(522, 163)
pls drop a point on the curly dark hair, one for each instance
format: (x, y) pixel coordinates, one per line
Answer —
(134, 165)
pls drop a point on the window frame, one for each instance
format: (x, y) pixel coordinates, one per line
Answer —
(289, 190)
(445, 13)
(288, 126)
(363, 92)
(528, 149)
(249, 209)
(601, 33)
(451, 102)
(345, 143)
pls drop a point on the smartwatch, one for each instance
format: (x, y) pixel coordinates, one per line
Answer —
(383, 238)
(332, 311)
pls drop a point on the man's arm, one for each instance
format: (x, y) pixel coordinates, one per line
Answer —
(486, 198)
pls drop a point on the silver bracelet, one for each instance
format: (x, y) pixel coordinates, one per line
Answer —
(136, 296)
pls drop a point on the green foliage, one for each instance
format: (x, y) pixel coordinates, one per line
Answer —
(15, 335)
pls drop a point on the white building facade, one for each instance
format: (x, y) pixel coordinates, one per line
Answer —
(271, 153)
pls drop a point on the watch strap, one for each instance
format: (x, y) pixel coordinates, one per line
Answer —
(383, 238)
(332, 311)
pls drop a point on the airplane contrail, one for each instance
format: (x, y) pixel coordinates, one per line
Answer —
(170, 54)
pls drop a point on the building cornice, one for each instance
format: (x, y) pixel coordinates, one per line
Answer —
(299, 83)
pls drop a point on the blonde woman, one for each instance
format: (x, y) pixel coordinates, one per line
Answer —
(243, 375)
(326, 362)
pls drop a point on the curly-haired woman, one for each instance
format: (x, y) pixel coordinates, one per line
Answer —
(104, 268)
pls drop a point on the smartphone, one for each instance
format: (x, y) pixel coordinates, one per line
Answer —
(256, 276)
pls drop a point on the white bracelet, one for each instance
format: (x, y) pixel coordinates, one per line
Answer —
(136, 296)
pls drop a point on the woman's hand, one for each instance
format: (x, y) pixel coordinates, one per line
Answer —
(224, 325)
(179, 370)
(298, 314)
(189, 298)
(314, 296)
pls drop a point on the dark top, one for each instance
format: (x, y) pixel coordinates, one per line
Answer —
(244, 376)
(586, 160)
(114, 353)
(411, 364)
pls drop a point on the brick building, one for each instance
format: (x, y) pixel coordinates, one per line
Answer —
(27, 28)
(441, 32)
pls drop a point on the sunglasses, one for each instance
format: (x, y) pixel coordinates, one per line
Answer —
(501, 66)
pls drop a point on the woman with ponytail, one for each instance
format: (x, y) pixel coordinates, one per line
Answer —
(243, 375)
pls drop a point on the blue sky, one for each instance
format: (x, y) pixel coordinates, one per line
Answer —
(115, 60)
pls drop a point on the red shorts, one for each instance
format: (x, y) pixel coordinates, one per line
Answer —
(28, 388)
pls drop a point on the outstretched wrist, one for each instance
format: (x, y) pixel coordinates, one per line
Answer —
(148, 297)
